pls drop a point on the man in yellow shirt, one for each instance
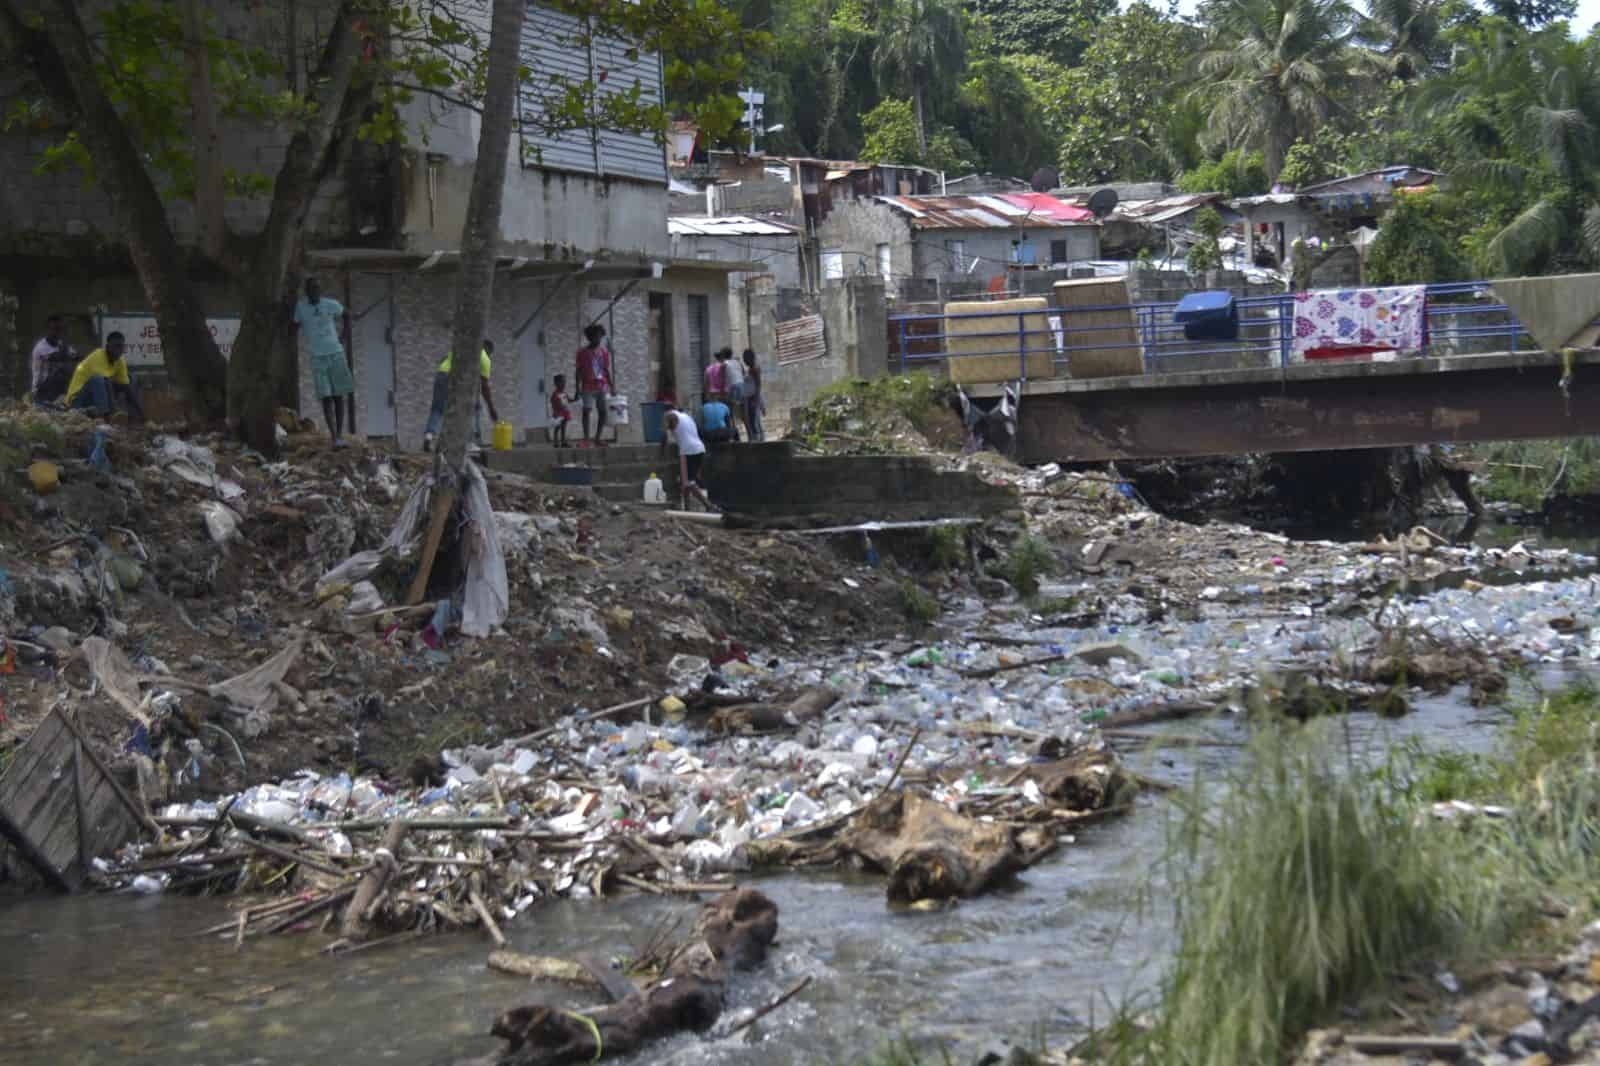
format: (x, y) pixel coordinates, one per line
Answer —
(101, 377)
(441, 395)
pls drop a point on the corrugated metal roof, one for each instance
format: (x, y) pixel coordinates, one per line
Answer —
(726, 226)
(1006, 211)
(1164, 209)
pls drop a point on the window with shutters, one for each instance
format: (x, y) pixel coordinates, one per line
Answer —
(958, 254)
(564, 56)
(1058, 252)
(832, 266)
(885, 262)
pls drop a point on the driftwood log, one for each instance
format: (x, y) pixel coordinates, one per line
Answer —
(768, 717)
(733, 933)
(930, 852)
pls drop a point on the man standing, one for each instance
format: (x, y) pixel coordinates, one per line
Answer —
(441, 395)
(320, 318)
(52, 361)
(100, 378)
(594, 380)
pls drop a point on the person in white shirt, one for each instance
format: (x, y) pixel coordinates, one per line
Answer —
(52, 357)
(691, 457)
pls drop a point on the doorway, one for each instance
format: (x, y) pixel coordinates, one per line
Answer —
(663, 362)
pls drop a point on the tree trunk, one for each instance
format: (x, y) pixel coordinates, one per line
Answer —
(256, 384)
(922, 128)
(60, 57)
(209, 191)
(479, 235)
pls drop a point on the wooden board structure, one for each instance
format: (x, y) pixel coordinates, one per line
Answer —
(60, 805)
(988, 348)
(1101, 339)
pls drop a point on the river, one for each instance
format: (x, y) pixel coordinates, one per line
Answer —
(120, 978)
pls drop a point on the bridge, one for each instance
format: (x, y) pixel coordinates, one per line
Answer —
(1481, 377)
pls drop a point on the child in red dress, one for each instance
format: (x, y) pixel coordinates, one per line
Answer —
(560, 413)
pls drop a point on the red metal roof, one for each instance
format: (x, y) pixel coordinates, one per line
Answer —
(1006, 211)
(1045, 204)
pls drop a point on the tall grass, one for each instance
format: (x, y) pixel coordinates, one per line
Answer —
(1030, 560)
(1298, 884)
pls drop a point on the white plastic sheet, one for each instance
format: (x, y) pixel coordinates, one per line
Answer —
(488, 595)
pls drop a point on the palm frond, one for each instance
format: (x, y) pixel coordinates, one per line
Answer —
(1532, 234)
(1591, 232)
(1500, 173)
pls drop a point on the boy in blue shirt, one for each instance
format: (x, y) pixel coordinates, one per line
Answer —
(716, 421)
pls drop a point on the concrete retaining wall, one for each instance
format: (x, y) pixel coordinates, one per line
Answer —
(771, 480)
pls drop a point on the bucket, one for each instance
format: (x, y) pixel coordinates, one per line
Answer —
(653, 415)
(503, 436)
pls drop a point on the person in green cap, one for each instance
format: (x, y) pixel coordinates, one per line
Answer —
(441, 396)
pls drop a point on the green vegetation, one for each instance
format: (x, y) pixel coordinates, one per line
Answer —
(1529, 471)
(871, 411)
(917, 605)
(1205, 254)
(1030, 559)
(947, 547)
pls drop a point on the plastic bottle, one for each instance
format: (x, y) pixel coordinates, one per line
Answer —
(654, 491)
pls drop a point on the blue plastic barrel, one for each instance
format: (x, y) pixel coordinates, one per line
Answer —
(654, 415)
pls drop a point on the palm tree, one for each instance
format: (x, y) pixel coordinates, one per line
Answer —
(1273, 70)
(920, 42)
(1404, 36)
(1524, 110)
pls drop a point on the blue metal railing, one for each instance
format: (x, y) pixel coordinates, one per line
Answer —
(1462, 319)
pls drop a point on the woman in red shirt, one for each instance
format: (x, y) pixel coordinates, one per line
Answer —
(594, 379)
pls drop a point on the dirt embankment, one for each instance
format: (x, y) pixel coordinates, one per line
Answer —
(198, 558)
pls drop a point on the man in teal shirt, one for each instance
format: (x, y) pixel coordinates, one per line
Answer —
(319, 318)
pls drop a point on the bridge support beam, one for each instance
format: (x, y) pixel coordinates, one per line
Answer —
(1315, 407)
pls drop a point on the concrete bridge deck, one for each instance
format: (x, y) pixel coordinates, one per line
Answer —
(1318, 406)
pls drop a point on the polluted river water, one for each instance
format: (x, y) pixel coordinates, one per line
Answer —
(121, 977)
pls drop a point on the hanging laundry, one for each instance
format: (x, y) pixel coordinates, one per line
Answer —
(1341, 323)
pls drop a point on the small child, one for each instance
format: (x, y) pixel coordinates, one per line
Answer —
(560, 413)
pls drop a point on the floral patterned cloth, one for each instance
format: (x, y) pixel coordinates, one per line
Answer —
(1329, 323)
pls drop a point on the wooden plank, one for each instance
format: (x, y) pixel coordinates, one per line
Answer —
(60, 804)
(64, 844)
(34, 750)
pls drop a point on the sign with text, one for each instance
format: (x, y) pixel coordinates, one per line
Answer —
(139, 330)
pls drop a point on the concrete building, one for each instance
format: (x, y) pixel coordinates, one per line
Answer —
(897, 238)
(1328, 210)
(773, 253)
(584, 224)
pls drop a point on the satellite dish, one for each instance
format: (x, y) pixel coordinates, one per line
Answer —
(1045, 179)
(1102, 202)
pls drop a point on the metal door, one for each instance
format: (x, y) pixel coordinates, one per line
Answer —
(535, 393)
(373, 334)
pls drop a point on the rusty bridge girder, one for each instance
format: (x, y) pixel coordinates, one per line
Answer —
(1310, 407)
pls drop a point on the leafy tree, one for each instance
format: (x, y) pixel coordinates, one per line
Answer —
(1059, 31)
(891, 131)
(1205, 254)
(142, 120)
(1305, 165)
(1001, 112)
(1410, 248)
(1273, 71)
(1237, 173)
(1121, 114)
(921, 43)
(1405, 36)
(1533, 13)
(951, 153)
